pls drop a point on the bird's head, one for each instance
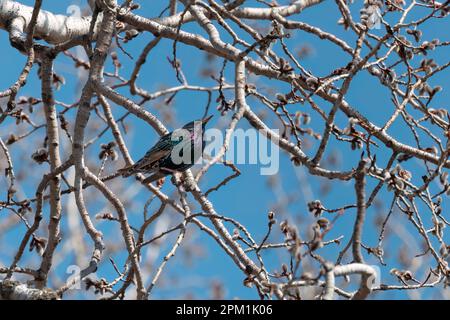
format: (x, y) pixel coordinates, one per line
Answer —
(202, 122)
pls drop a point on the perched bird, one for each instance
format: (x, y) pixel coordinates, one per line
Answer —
(174, 152)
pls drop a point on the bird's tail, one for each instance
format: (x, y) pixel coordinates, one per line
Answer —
(126, 171)
(155, 177)
(130, 170)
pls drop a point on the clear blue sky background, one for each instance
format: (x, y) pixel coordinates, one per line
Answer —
(247, 199)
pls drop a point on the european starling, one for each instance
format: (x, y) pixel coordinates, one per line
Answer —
(174, 152)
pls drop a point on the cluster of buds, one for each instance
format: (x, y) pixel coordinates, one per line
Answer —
(397, 177)
(315, 207)
(105, 216)
(38, 244)
(394, 5)
(291, 236)
(20, 116)
(371, 14)
(107, 151)
(357, 137)
(403, 275)
(100, 286)
(416, 33)
(40, 155)
(25, 206)
(29, 101)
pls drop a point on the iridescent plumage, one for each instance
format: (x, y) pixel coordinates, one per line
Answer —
(167, 155)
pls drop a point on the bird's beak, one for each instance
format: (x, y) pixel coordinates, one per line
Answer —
(205, 120)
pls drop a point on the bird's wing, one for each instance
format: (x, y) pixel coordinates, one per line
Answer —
(160, 150)
(151, 158)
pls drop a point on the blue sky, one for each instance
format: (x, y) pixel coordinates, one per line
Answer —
(248, 198)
